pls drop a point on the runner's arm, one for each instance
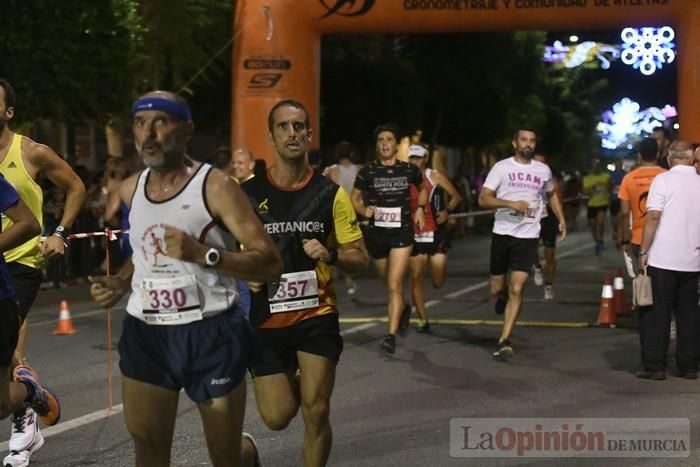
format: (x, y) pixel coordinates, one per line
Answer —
(359, 204)
(62, 175)
(108, 290)
(446, 184)
(625, 215)
(259, 259)
(555, 204)
(488, 199)
(351, 255)
(24, 226)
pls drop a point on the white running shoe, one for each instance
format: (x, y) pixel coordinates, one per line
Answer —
(256, 461)
(26, 439)
(538, 277)
(352, 288)
(548, 293)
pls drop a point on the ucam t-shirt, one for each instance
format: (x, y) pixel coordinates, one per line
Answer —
(513, 181)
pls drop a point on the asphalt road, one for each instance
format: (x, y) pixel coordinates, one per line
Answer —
(396, 410)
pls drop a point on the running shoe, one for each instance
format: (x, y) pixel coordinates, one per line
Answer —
(44, 401)
(504, 351)
(423, 327)
(404, 320)
(26, 438)
(548, 292)
(538, 277)
(501, 301)
(352, 288)
(388, 343)
(256, 461)
(599, 248)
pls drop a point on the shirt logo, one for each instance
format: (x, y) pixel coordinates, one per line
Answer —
(185, 206)
(12, 165)
(263, 207)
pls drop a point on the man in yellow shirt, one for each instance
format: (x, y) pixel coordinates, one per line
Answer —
(597, 185)
(21, 162)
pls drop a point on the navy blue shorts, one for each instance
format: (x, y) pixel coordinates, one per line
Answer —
(207, 358)
(9, 329)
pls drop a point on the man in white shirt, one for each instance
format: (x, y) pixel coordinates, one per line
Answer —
(515, 187)
(670, 251)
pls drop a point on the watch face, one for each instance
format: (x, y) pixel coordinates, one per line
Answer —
(213, 257)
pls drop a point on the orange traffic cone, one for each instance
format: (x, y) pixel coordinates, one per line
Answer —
(606, 315)
(65, 323)
(619, 294)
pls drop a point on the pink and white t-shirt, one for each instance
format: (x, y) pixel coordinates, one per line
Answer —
(513, 181)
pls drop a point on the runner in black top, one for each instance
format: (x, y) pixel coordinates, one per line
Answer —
(382, 194)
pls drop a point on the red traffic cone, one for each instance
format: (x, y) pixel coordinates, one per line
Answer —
(619, 294)
(606, 315)
(65, 323)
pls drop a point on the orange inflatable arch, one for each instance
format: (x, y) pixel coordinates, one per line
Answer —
(277, 47)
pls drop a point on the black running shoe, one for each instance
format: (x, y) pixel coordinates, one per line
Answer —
(388, 343)
(504, 351)
(501, 301)
(404, 320)
(423, 327)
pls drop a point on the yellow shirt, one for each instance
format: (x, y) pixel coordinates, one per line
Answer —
(14, 171)
(598, 188)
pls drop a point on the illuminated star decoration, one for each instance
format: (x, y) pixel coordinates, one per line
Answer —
(580, 54)
(625, 124)
(648, 49)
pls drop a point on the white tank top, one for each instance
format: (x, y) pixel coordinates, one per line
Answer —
(166, 290)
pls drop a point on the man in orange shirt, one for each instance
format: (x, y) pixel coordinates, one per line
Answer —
(633, 194)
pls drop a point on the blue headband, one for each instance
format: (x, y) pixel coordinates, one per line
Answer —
(180, 109)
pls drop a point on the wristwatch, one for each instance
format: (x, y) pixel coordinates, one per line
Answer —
(212, 258)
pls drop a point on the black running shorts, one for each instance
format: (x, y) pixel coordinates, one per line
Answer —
(593, 211)
(516, 254)
(440, 244)
(207, 358)
(278, 347)
(380, 242)
(27, 282)
(549, 227)
(9, 329)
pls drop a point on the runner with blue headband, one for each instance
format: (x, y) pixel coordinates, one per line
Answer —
(176, 106)
(186, 220)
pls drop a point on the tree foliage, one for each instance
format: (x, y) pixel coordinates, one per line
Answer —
(75, 60)
(465, 90)
(67, 60)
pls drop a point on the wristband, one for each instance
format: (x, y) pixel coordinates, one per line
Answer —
(61, 231)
